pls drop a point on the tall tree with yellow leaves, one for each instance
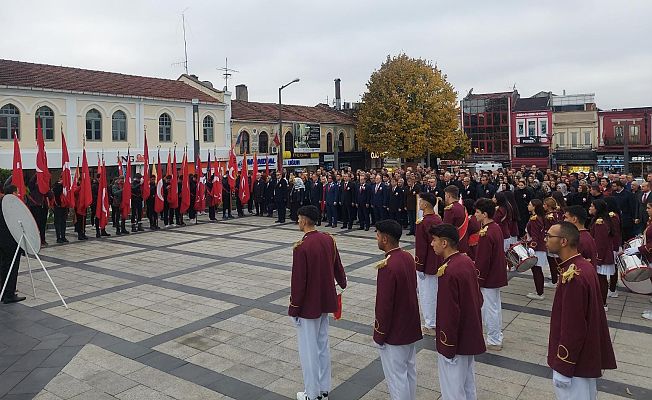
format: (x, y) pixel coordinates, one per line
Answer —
(409, 109)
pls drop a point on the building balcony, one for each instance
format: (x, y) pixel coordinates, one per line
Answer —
(619, 141)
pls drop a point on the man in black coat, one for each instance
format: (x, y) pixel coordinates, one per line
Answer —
(348, 194)
(627, 205)
(281, 197)
(226, 198)
(8, 248)
(269, 194)
(259, 194)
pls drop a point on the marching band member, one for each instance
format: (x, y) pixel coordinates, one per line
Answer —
(576, 215)
(316, 265)
(602, 230)
(579, 345)
(427, 262)
(552, 217)
(474, 228)
(459, 319)
(492, 270)
(455, 214)
(535, 230)
(398, 325)
(503, 217)
(645, 250)
(617, 238)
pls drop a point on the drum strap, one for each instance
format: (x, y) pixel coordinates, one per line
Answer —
(465, 225)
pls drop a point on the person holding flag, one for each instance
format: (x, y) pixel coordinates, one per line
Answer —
(200, 196)
(83, 194)
(39, 186)
(125, 203)
(102, 202)
(216, 190)
(158, 202)
(244, 194)
(184, 195)
(173, 192)
(117, 191)
(228, 183)
(17, 178)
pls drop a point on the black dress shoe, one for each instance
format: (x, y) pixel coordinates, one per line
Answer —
(13, 299)
(97, 235)
(59, 240)
(64, 240)
(105, 233)
(366, 229)
(409, 234)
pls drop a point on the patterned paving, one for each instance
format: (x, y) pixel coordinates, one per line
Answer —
(199, 312)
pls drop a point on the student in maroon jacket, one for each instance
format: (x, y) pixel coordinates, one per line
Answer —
(459, 319)
(579, 347)
(602, 229)
(576, 215)
(490, 262)
(427, 262)
(455, 214)
(645, 249)
(535, 230)
(316, 265)
(398, 326)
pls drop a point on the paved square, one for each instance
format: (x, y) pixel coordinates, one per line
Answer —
(199, 312)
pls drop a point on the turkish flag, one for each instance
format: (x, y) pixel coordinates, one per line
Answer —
(168, 171)
(200, 199)
(173, 193)
(159, 201)
(102, 210)
(254, 172)
(216, 195)
(232, 168)
(66, 175)
(244, 182)
(17, 178)
(185, 186)
(266, 166)
(125, 204)
(121, 171)
(85, 194)
(145, 185)
(42, 171)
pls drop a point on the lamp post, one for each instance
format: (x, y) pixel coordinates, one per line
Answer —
(195, 126)
(280, 124)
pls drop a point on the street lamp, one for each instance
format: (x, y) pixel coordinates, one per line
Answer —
(280, 124)
(195, 126)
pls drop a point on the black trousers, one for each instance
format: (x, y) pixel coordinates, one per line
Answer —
(136, 212)
(192, 214)
(412, 220)
(178, 216)
(226, 206)
(80, 225)
(280, 206)
(5, 265)
(349, 214)
(259, 207)
(40, 214)
(250, 203)
(115, 216)
(363, 216)
(60, 216)
(170, 216)
(211, 213)
(238, 206)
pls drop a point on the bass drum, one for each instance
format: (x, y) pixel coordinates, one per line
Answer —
(643, 287)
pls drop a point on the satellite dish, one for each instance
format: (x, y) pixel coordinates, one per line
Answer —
(21, 223)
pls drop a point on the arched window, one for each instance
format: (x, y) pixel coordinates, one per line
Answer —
(164, 128)
(329, 142)
(46, 116)
(9, 122)
(340, 142)
(263, 142)
(289, 142)
(119, 126)
(208, 129)
(93, 125)
(244, 142)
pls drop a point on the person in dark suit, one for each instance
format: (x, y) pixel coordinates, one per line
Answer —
(396, 202)
(332, 200)
(485, 189)
(348, 193)
(226, 198)
(411, 192)
(281, 197)
(8, 248)
(363, 200)
(643, 198)
(378, 199)
(269, 194)
(259, 194)
(627, 206)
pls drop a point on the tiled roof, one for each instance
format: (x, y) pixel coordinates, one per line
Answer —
(51, 77)
(531, 104)
(268, 112)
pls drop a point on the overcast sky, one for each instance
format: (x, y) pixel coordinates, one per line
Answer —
(593, 46)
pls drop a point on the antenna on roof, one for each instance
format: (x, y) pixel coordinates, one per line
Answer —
(184, 63)
(227, 73)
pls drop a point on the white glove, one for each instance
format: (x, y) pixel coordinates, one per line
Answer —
(421, 275)
(630, 251)
(380, 346)
(560, 381)
(296, 321)
(451, 361)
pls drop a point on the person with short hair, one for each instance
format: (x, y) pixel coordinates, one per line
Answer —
(602, 229)
(579, 345)
(576, 215)
(459, 320)
(397, 324)
(455, 214)
(492, 268)
(535, 231)
(316, 265)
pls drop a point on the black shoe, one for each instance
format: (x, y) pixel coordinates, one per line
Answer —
(64, 240)
(118, 232)
(328, 225)
(13, 299)
(366, 229)
(124, 232)
(344, 227)
(360, 228)
(410, 234)
(277, 221)
(44, 244)
(156, 228)
(140, 228)
(59, 241)
(231, 217)
(104, 233)
(224, 218)
(80, 237)
(97, 235)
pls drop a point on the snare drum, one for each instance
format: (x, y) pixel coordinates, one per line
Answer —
(520, 257)
(633, 268)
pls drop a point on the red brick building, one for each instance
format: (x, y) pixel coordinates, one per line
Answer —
(531, 131)
(617, 126)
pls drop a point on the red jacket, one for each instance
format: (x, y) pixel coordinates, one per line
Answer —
(579, 343)
(397, 307)
(426, 259)
(646, 249)
(490, 257)
(603, 241)
(459, 321)
(500, 216)
(316, 265)
(587, 247)
(536, 229)
(617, 237)
(455, 214)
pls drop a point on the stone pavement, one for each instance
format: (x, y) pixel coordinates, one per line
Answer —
(199, 312)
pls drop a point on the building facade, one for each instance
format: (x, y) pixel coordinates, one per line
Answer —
(575, 132)
(486, 120)
(633, 125)
(108, 113)
(531, 131)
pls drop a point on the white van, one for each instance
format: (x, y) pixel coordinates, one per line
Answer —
(487, 166)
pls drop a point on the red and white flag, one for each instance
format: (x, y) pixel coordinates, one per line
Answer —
(66, 175)
(232, 169)
(173, 193)
(254, 172)
(185, 185)
(200, 198)
(42, 171)
(121, 171)
(85, 193)
(145, 183)
(102, 210)
(17, 178)
(244, 182)
(217, 184)
(159, 201)
(125, 204)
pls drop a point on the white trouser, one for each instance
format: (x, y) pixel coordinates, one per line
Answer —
(542, 260)
(507, 243)
(457, 382)
(315, 355)
(400, 369)
(428, 299)
(579, 389)
(492, 315)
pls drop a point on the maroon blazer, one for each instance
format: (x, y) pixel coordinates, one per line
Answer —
(587, 248)
(490, 257)
(603, 242)
(646, 249)
(617, 237)
(459, 321)
(316, 265)
(536, 229)
(474, 228)
(426, 259)
(579, 342)
(500, 216)
(455, 214)
(397, 307)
